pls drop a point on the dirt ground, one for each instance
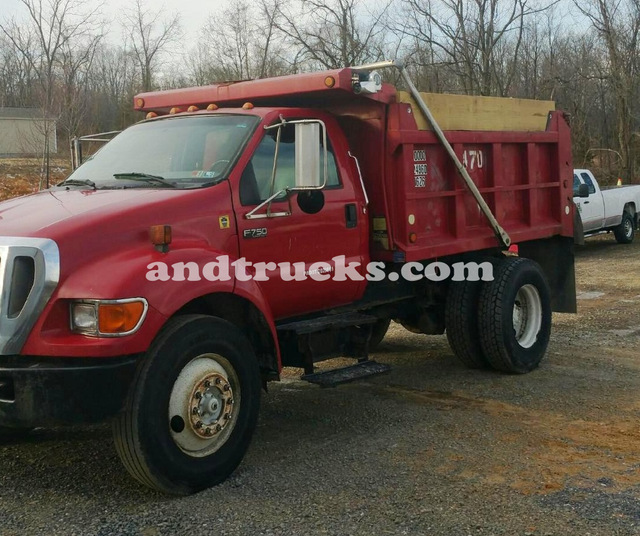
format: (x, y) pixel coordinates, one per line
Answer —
(429, 449)
(21, 176)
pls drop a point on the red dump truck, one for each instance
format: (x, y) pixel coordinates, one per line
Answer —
(245, 227)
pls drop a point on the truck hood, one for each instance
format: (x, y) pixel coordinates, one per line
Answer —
(45, 212)
(90, 225)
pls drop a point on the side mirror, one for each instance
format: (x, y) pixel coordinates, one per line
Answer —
(308, 156)
(583, 190)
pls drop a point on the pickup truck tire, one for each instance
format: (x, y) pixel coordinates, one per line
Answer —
(625, 232)
(461, 321)
(378, 332)
(515, 316)
(192, 407)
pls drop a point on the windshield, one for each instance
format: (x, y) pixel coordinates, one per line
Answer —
(180, 152)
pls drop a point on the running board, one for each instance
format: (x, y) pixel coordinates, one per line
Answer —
(331, 378)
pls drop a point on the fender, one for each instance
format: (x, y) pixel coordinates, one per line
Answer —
(124, 275)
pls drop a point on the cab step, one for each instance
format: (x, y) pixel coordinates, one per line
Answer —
(331, 378)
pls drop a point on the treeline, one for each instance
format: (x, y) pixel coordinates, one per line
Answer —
(65, 59)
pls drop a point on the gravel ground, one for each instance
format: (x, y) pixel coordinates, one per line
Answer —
(431, 448)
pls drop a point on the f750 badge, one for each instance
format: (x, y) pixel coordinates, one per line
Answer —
(259, 232)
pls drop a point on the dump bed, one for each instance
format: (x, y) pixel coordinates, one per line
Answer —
(523, 172)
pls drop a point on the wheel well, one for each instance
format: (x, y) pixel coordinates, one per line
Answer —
(248, 318)
(631, 209)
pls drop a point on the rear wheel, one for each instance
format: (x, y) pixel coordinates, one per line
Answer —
(625, 232)
(515, 316)
(192, 408)
(461, 321)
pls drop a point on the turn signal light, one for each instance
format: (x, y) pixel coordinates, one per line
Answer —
(329, 81)
(139, 103)
(160, 236)
(413, 237)
(119, 317)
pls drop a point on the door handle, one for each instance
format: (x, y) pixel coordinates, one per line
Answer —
(351, 215)
(585, 202)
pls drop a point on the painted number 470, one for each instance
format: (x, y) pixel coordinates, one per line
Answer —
(472, 159)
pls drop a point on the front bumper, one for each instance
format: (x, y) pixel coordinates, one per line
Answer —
(50, 391)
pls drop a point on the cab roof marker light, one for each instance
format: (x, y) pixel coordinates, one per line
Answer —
(212, 107)
(192, 108)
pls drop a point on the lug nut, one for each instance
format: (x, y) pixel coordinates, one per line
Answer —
(217, 381)
(226, 387)
(198, 395)
(207, 383)
(195, 411)
(208, 431)
(199, 424)
(227, 416)
(218, 427)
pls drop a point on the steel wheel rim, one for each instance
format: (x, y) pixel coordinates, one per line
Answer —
(204, 404)
(527, 315)
(627, 228)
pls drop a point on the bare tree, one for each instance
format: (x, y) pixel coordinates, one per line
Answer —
(333, 33)
(479, 40)
(150, 35)
(52, 26)
(617, 23)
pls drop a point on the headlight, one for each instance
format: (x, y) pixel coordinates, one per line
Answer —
(108, 318)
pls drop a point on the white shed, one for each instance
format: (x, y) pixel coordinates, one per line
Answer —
(23, 131)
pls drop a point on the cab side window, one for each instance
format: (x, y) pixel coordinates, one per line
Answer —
(576, 185)
(255, 183)
(587, 180)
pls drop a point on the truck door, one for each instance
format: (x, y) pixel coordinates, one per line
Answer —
(591, 208)
(338, 228)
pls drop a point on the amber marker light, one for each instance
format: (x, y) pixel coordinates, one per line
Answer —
(192, 108)
(151, 115)
(329, 81)
(118, 318)
(175, 110)
(139, 103)
(413, 237)
(160, 236)
(247, 106)
(212, 107)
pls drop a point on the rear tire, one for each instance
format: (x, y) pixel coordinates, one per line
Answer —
(625, 232)
(192, 407)
(515, 316)
(461, 321)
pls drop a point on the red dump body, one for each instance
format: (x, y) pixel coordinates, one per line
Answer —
(420, 208)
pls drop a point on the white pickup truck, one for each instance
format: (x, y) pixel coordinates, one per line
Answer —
(615, 209)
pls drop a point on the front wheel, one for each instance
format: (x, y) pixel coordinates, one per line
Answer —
(515, 316)
(625, 232)
(192, 407)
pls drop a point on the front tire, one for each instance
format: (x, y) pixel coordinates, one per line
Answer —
(192, 407)
(515, 316)
(625, 232)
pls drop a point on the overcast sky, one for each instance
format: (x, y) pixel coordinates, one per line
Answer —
(193, 13)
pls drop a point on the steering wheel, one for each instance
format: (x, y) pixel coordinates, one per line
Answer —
(221, 164)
